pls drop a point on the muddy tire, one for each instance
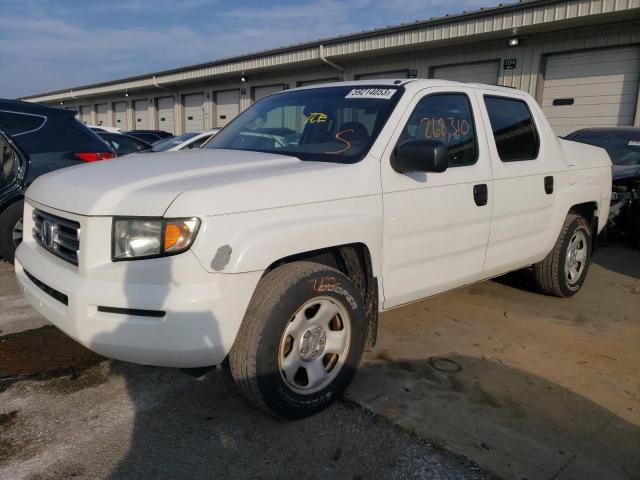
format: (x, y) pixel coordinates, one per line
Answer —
(564, 270)
(10, 230)
(301, 340)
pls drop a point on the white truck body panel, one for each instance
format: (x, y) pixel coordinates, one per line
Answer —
(423, 231)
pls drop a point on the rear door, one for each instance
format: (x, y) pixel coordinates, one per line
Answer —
(523, 168)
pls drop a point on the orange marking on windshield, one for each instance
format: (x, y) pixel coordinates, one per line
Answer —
(346, 142)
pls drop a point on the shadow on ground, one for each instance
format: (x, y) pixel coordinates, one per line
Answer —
(509, 421)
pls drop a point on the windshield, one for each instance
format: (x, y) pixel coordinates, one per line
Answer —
(622, 147)
(167, 143)
(332, 124)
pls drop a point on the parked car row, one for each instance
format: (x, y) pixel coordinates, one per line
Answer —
(36, 139)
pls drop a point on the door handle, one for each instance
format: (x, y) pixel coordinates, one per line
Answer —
(481, 194)
(548, 185)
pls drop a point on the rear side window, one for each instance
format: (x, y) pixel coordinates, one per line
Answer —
(15, 123)
(513, 129)
(445, 118)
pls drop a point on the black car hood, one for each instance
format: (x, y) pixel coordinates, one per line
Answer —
(621, 172)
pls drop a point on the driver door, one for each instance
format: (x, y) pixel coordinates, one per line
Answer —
(436, 225)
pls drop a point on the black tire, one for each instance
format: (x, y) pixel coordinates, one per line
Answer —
(254, 358)
(9, 218)
(551, 277)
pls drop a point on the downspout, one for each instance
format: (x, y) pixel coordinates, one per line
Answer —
(325, 60)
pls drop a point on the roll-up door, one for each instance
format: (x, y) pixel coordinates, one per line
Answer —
(102, 117)
(85, 114)
(141, 115)
(261, 92)
(596, 88)
(304, 83)
(120, 115)
(166, 115)
(477, 72)
(384, 75)
(227, 106)
(194, 112)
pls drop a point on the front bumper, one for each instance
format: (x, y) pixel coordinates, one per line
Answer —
(202, 311)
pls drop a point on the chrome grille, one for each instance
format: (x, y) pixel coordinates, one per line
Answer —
(57, 235)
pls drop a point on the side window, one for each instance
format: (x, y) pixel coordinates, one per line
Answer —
(15, 123)
(445, 118)
(513, 129)
(197, 143)
(8, 164)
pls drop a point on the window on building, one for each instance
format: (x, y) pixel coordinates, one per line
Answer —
(445, 118)
(513, 129)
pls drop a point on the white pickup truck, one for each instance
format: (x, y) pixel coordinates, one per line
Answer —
(277, 245)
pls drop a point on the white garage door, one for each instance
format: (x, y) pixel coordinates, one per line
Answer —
(384, 75)
(194, 112)
(120, 115)
(140, 115)
(304, 83)
(227, 106)
(478, 72)
(261, 92)
(85, 114)
(595, 88)
(166, 116)
(101, 114)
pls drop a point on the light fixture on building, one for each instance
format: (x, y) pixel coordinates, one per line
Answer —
(61, 103)
(126, 94)
(514, 42)
(243, 78)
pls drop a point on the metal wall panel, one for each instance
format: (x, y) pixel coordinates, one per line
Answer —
(141, 114)
(166, 114)
(591, 88)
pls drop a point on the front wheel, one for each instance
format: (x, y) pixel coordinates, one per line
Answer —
(11, 230)
(301, 340)
(564, 270)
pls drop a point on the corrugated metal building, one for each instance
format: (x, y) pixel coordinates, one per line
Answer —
(579, 58)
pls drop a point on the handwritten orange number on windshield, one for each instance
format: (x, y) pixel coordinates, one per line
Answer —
(346, 142)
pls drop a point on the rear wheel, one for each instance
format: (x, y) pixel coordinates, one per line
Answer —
(11, 230)
(301, 340)
(564, 270)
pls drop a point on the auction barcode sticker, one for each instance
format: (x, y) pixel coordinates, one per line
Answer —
(382, 93)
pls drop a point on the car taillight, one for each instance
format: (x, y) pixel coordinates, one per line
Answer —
(94, 156)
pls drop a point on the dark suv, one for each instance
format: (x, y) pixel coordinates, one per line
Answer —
(34, 140)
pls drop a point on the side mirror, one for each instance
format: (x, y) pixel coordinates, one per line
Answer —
(420, 156)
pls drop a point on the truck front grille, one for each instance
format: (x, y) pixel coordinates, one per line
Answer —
(57, 235)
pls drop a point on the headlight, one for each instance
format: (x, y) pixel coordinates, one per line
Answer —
(135, 238)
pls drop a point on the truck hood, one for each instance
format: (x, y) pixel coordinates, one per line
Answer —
(228, 180)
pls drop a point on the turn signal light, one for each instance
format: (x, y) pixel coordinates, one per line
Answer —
(94, 156)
